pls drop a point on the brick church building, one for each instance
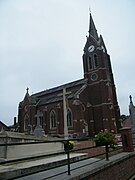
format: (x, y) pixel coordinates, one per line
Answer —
(91, 101)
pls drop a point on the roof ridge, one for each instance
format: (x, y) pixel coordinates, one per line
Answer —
(58, 88)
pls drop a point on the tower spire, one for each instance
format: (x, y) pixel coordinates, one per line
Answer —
(27, 94)
(92, 28)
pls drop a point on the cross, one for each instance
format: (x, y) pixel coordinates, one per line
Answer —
(38, 115)
(65, 110)
(27, 90)
(90, 9)
(130, 99)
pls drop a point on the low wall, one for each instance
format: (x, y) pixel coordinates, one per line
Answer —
(118, 169)
(25, 150)
(22, 151)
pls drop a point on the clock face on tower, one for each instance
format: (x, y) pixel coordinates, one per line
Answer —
(91, 48)
(94, 77)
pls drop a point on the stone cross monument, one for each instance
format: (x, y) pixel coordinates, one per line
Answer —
(65, 113)
(65, 108)
(38, 131)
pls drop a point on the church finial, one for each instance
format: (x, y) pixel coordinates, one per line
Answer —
(90, 10)
(27, 89)
(130, 97)
(27, 93)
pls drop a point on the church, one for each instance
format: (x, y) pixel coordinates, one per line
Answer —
(91, 102)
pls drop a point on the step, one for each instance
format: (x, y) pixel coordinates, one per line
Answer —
(18, 169)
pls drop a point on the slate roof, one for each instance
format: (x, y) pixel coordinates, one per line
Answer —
(92, 29)
(4, 125)
(55, 94)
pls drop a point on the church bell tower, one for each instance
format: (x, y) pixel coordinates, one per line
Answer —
(102, 93)
(95, 55)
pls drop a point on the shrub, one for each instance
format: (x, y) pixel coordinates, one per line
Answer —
(106, 137)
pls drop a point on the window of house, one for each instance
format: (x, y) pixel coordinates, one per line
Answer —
(52, 119)
(69, 118)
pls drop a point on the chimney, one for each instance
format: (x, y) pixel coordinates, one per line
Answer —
(14, 121)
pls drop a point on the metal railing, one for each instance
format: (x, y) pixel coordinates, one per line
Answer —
(105, 152)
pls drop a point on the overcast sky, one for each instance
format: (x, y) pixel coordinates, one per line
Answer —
(42, 41)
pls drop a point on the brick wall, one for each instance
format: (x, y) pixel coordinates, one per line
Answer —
(119, 170)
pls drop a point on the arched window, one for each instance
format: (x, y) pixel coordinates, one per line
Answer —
(69, 118)
(96, 60)
(52, 119)
(26, 122)
(90, 63)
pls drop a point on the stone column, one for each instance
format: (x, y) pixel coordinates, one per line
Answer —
(127, 139)
(132, 117)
